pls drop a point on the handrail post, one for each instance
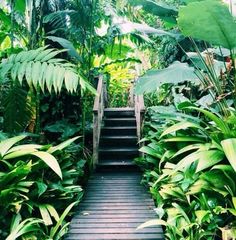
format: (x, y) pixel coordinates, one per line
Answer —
(98, 110)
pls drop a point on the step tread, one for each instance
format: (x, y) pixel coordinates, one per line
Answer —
(119, 137)
(118, 109)
(115, 163)
(120, 127)
(120, 119)
(119, 149)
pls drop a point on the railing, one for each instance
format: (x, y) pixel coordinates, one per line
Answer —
(139, 113)
(98, 111)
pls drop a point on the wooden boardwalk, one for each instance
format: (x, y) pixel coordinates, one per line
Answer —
(115, 204)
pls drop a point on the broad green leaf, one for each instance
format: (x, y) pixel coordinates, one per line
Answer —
(234, 202)
(159, 8)
(150, 151)
(45, 214)
(42, 187)
(184, 139)
(180, 126)
(25, 147)
(154, 222)
(67, 45)
(205, 160)
(52, 212)
(209, 159)
(5, 145)
(201, 215)
(28, 225)
(62, 145)
(59, 223)
(229, 147)
(19, 153)
(187, 149)
(210, 21)
(50, 160)
(176, 73)
(218, 121)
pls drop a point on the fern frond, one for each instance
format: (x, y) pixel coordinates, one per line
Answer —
(40, 68)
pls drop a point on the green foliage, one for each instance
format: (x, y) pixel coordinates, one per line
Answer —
(203, 20)
(40, 69)
(37, 191)
(16, 109)
(174, 74)
(189, 165)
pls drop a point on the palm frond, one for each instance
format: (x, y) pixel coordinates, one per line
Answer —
(40, 68)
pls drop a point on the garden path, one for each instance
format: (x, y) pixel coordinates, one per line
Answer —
(115, 203)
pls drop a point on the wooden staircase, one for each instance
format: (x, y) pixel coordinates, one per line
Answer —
(115, 203)
(118, 140)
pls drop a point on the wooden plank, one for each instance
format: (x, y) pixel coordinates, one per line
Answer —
(108, 225)
(132, 236)
(113, 207)
(114, 230)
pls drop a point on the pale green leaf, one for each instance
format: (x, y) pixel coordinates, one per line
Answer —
(36, 69)
(229, 147)
(28, 73)
(154, 222)
(48, 75)
(59, 223)
(45, 214)
(62, 145)
(176, 73)
(180, 126)
(50, 160)
(5, 145)
(21, 72)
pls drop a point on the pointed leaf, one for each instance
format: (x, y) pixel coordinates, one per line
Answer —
(50, 160)
(5, 145)
(229, 147)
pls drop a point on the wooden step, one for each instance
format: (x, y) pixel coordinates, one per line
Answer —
(119, 112)
(118, 153)
(119, 131)
(113, 140)
(112, 122)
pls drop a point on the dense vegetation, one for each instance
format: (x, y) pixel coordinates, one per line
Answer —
(51, 54)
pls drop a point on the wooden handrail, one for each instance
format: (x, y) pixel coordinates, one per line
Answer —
(98, 111)
(139, 113)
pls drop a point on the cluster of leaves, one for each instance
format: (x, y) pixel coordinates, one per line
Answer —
(37, 191)
(190, 167)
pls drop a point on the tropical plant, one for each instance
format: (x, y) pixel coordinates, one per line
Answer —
(190, 168)
(36, 188)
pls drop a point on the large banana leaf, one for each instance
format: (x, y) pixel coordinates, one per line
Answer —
(160, 9)
(176, 73)
(210, 21)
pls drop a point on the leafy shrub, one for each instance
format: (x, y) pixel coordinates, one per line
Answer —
(38, 188)
(189, 163)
